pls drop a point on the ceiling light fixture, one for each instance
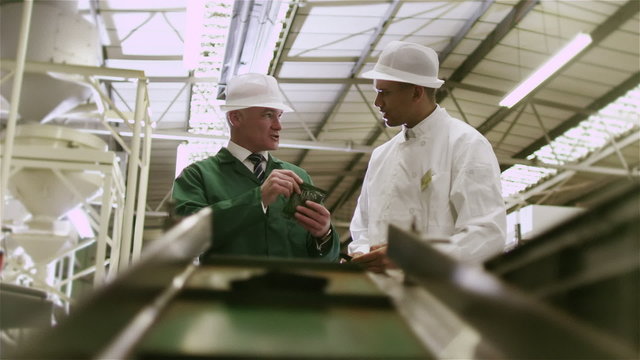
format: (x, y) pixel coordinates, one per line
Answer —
(573, 48)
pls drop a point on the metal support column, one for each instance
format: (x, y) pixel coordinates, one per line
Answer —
(132, 177)
(142, 191)
(21, 56)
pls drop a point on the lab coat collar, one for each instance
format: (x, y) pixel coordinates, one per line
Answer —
(423, 128)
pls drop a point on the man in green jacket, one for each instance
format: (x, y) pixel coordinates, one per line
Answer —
(247, 188)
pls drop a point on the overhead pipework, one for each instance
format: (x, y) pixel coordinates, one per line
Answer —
(250, 35)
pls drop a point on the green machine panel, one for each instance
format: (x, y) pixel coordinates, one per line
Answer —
(276, 314)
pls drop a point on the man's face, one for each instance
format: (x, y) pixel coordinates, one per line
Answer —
(258, 128)
(393, 101)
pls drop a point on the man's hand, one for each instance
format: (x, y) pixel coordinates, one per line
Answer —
(314, 217)
(279, 182)
(376, 260)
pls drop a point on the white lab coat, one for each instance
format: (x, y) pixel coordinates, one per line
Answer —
(462, 200)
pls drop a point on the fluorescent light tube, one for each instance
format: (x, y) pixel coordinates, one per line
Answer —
(573, 48)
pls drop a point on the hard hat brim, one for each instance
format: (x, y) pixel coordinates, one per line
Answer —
(278, 106)
(413, 79)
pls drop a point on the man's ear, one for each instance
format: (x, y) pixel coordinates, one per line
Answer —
(233, 118)
(418, 92)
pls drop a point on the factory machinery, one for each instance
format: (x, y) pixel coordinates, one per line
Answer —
(572, 293)
(71, 209)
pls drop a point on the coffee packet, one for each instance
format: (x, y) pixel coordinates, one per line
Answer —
(307, 192)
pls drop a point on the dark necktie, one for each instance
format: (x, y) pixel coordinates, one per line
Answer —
(258, 171)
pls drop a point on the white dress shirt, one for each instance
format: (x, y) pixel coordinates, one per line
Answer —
(446, 179)
(242, 154)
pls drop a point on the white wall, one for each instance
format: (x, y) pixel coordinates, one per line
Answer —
(535, 219)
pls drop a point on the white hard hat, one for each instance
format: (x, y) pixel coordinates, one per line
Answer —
(249, 90)
(408, 63)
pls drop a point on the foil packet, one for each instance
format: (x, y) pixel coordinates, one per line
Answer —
(307, 192)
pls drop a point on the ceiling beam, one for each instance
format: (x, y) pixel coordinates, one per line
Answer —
(169, 135)
(615, 21)
(183, 79)
(96, 71)
(565, 175)
(115, 52)
(355, 186)
(276, 63)
(457, 38)
(393, 8)
(598, 104)
(106, 22)
(509, 22)
(140, 10)
(448, 85)
(375, 134)
(324, 81)
(334, 3)
(578, 168)
(498, 93)
(321, 59)
(624, 13)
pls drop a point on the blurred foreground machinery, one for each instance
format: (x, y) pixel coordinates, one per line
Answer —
(588, 267)
(543, 301)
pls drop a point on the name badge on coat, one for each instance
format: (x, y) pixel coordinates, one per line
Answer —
(426, 180)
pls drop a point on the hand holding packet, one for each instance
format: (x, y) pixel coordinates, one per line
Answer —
(307, 192)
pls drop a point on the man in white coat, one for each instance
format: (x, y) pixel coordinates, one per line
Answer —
(439, 174)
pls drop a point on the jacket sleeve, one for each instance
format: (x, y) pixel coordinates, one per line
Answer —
(480, 226)
(188, 192)
(232, 216)
(329, 252)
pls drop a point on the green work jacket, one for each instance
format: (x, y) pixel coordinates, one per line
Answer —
(240, 226)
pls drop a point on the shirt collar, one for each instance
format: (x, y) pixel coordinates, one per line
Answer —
(241, 153)
(409, 134)
(422, 128)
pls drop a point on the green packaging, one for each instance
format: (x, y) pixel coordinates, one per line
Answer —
(307, 192)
